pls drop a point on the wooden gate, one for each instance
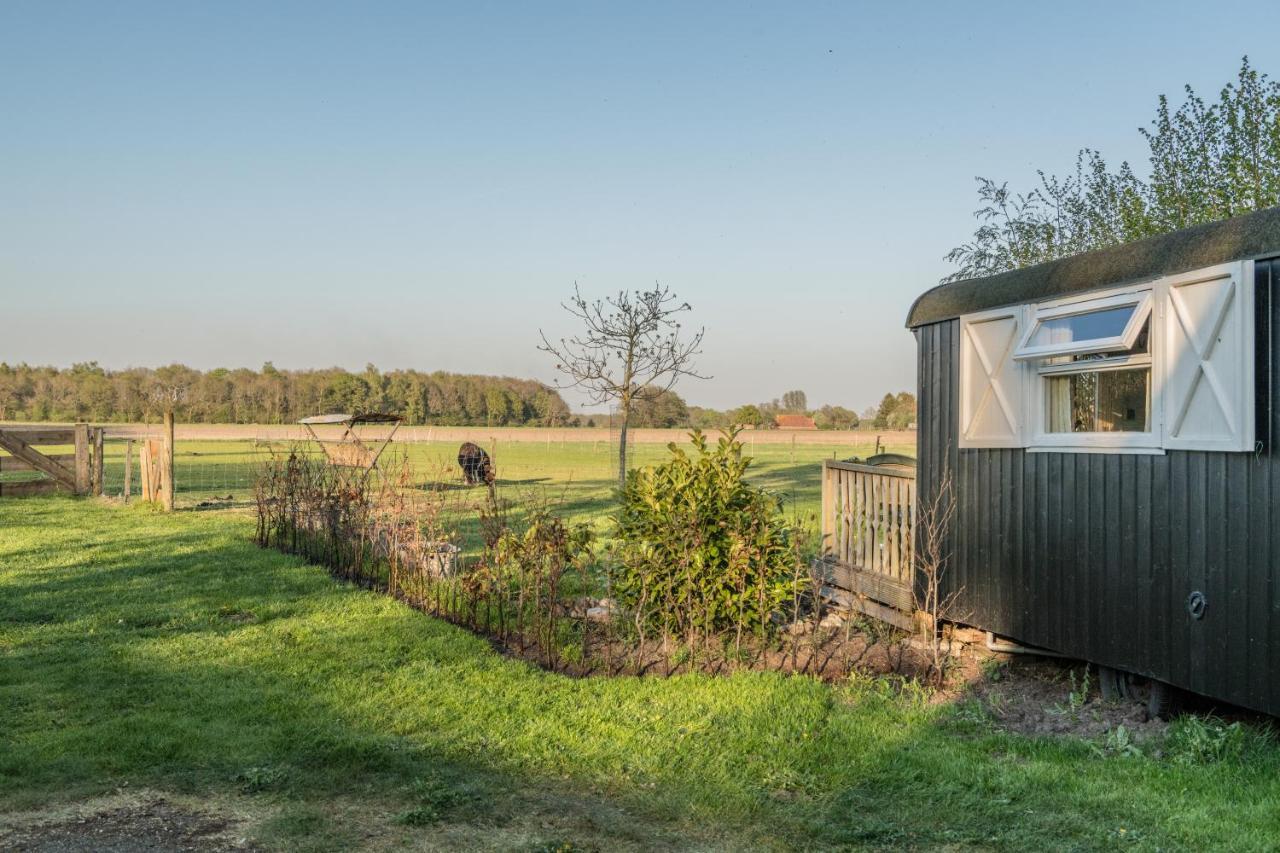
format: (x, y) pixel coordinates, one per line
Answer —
(868, 527)
(79, 472)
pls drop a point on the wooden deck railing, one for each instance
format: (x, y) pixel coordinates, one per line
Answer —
(868, 525)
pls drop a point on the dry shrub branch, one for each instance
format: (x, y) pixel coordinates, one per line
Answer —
(935, 599)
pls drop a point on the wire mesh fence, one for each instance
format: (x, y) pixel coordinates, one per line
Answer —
(204, 471)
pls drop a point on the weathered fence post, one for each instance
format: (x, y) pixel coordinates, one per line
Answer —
(128, 469)
(153, 469)
(97, 461)
(82, 459)
(166, 464)
(828, 509)
(144, 469)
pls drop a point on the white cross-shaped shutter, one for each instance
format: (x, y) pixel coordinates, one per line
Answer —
(991, 382)
(1208, 377)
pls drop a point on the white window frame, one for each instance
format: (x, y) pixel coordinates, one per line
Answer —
(1148, 300)
(1140, 299)
(1154, 300)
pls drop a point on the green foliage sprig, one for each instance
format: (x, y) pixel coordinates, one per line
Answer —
(1208, 161)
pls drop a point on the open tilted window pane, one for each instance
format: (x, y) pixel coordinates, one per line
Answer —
(1104, 325)
(1090, 326)
(1140, 351)
(1141, 346)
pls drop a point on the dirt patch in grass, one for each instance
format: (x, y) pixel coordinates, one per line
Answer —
(124, 824)
(828, 654)
(1039, 696)
(549, 818)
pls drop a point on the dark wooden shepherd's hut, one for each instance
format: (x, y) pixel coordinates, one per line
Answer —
(1107, 424)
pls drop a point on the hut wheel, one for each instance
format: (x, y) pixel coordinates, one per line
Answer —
(1119, 686)
(1162, 700)
(1114, 684)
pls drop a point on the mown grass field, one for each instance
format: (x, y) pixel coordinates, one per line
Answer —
(140, 651)
(577, 477)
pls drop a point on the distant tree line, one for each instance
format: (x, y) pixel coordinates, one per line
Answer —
(88, 392)
(896, 411)
(667, 410)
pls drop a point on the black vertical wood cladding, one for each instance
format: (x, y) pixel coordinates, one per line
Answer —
(1094, 555)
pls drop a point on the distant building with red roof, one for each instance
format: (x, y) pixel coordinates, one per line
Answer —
(794, 422)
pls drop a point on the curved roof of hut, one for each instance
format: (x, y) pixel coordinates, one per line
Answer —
(1251, 236)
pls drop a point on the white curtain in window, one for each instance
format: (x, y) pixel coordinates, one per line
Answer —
(1060, 391)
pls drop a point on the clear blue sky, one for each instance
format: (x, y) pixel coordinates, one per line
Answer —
(417, 185)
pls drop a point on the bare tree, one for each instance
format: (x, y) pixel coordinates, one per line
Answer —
(170, 386)
(631, 349)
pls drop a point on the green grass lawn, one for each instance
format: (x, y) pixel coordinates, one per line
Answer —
(167, 652)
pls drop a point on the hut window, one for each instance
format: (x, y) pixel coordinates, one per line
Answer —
(1110, 401)
(1092, 327)
(1097, 397)
(1099, 391)
(1165, 365)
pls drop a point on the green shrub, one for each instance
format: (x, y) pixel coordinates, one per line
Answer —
(699, 548)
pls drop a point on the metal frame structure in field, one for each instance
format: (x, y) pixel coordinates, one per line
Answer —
(348, 450)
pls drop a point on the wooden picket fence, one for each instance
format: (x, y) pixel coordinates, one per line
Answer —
(868, 528)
